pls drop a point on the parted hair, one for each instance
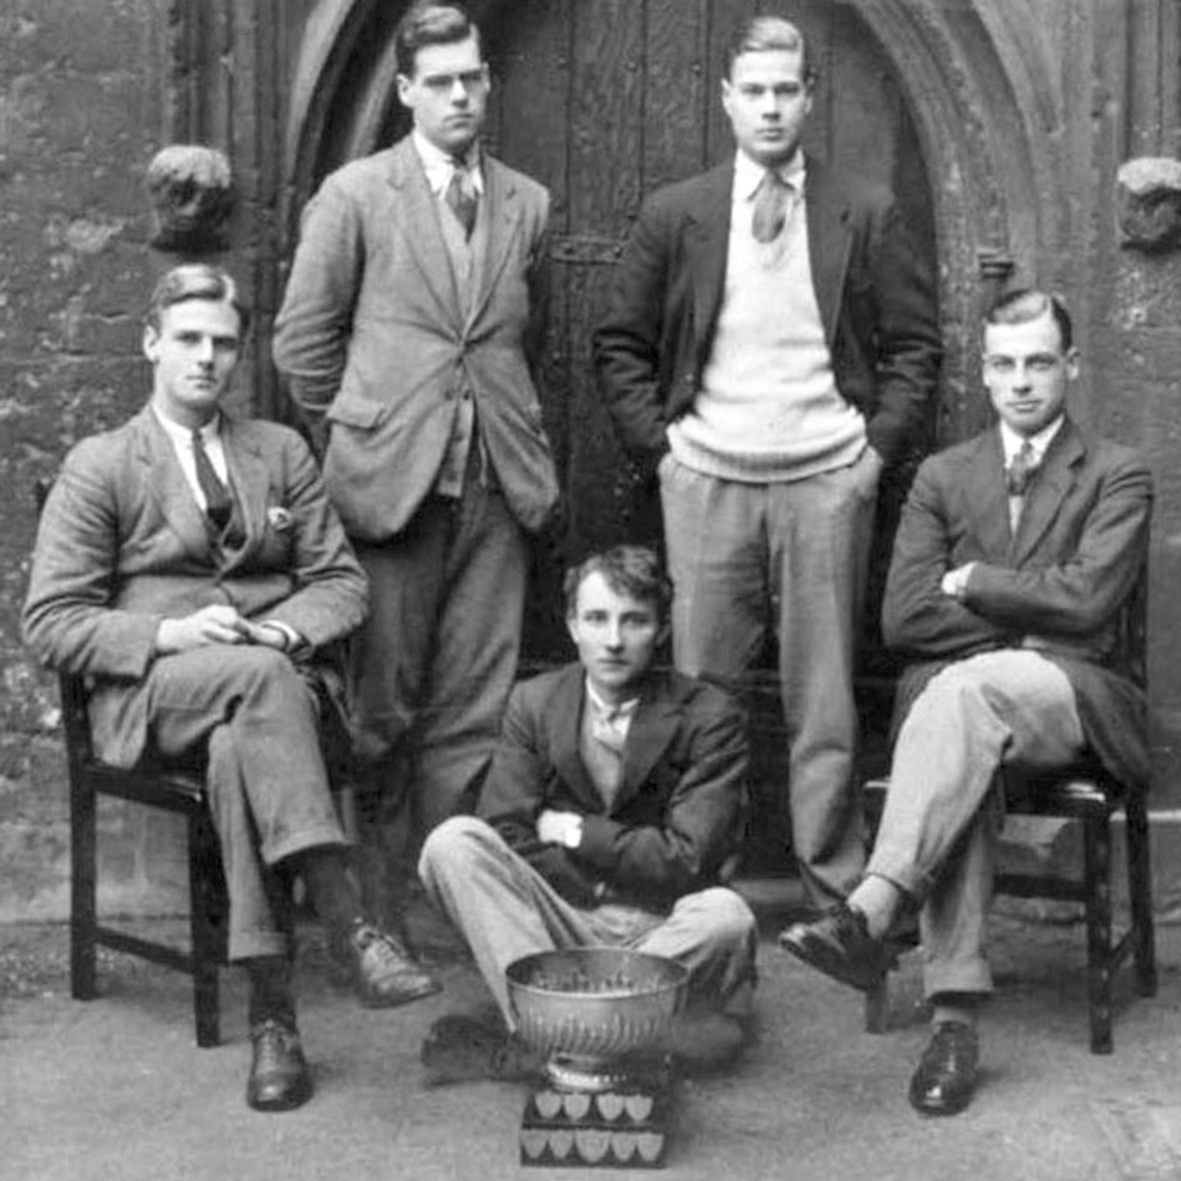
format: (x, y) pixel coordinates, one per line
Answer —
(632, 570)
(195, 280)
(1028, 303)
(430, 22)
(760, 33)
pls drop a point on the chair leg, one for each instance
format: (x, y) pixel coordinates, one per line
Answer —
(877, 1005)
(1140, 895)
(1097, 867)
(83, 889)
(206, 929)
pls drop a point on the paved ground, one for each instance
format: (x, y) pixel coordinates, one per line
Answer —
(116, 1089)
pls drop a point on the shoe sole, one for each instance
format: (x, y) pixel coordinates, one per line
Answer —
(822, 956)
(403, 998)
(298, 1097)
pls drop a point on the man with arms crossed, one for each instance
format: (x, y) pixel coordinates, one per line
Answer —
(612, 814)
(1016, 553)
(770, 344)
(190, 563)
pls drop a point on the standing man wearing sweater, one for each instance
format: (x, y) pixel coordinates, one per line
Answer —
(771, 344)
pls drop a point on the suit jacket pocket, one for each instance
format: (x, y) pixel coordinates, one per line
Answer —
(361, 413)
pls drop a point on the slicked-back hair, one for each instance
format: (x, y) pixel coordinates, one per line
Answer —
(430, 22)
(761, 33)
(1019, 307)
(196, 280)
(632, 570)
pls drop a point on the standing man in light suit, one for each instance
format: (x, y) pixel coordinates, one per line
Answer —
(410, 336)
(771, 343)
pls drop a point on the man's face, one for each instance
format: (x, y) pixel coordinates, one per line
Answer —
(448, 94)
(193, 353)
(768, 102)
(1026, 372)
(616, 635)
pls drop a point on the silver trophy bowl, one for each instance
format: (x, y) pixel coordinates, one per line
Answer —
(598, 1014)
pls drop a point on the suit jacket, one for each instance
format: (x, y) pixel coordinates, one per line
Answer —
(678, 817)
(122, 544)
(874, 289)
(1059, 584)
(376, 346)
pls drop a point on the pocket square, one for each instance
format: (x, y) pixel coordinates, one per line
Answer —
(279, 519)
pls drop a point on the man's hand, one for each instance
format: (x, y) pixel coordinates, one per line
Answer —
(559, 828)
(955, 582)
(216, 624)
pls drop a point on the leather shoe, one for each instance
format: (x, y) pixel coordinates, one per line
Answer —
(384, 972)
(839, 945)
(279, 1076)
(946, 1076)
(460, 1049)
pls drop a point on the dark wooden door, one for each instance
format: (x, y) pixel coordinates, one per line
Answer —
(605, 100)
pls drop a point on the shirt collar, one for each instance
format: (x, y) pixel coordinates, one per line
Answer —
(439, 165)
(748, 174)
(1011, 441)
(182, 436)
(623, 710)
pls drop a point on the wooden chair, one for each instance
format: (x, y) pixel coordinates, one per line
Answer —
(1091, 797)
(176, 790)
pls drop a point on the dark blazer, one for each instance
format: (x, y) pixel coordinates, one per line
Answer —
(122, 544)
(874, 288)
(679, 815)
(1059, 584)
(376, 344)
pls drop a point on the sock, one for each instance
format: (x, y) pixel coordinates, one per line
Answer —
(335, 898)
(878, 899)
(959, 1007)
(271, 995)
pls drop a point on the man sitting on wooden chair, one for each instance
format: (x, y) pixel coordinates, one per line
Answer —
(1016, 553)
(191, 564)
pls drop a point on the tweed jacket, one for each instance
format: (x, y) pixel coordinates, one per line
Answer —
(1058, 584)
(122, 544)
(677, 821)
(377, 345)
(874, 288)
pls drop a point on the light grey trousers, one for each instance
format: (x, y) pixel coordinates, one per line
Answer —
(505, 910)
(791, 557)
(267, 785)
(942, 812)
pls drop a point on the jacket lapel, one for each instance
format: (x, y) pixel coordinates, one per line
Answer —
(1047, 490)
(161, 476)
(829, 241)
(708, 234)
(567, 715)
(250, 478)
(655, 725)
(421, 230)
(503, 219)
(988, 500)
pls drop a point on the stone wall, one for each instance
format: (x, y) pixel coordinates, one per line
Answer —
(84, 103)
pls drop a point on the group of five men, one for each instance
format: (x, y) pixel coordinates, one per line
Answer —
(771, 344)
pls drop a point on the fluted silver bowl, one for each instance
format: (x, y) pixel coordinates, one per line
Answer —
(592, 1010)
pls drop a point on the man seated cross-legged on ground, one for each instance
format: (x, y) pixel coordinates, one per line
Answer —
(1016, 553)
(190, 563)
(611, 815)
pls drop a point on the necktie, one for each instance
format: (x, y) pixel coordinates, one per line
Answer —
(218, 503)
(770, 211)
(1020, 470)
(461, 197)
